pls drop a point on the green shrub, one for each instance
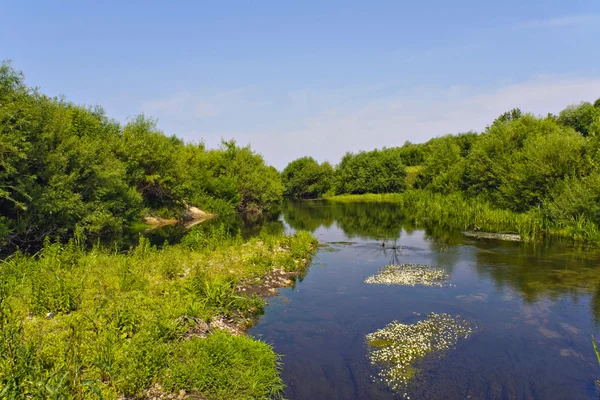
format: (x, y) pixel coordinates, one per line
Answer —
(226, 366)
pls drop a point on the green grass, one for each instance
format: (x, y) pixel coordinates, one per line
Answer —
(123, 321)
(458, 212)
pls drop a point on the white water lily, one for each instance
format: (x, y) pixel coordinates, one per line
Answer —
(409, 275)
(397, 346)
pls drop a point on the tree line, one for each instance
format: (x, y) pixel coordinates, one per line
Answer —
(68, 170)
(520, 162)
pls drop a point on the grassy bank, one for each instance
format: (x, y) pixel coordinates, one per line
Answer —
(456, 211)
(99, 324)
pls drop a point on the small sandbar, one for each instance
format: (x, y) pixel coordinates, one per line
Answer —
(409, 275)
(398, 346)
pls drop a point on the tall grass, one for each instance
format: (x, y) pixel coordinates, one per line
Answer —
(79, 324)
(459, 212)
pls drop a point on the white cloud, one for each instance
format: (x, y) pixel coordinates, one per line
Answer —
(392, 121)
(181, 105)
(327, 123)
(194, 106)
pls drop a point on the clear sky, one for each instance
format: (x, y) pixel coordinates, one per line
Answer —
(319, 78)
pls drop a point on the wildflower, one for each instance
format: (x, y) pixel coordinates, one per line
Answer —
(409, 275)
(398, 346)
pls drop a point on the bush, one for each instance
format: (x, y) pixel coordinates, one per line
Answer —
(305, 178)
(377, 171)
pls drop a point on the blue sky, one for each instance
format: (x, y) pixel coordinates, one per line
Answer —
(307, 77)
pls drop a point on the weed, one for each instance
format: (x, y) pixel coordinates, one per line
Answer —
(458, 212)
(102, 324)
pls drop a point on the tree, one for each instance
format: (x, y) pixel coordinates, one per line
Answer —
(509, 116)
(65, 168)
(516, 164)
(443, 166)
(412, 154)
(580, 117)
(305, 178)
(258, 185)
(575, 197)
(377, 171)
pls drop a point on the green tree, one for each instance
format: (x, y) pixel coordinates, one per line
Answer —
(305, 178)
(443, 166)
(580, 117)
(58, 170)
(515, 164)
(258, 185)
(575, 197)
(508, 116)
(377, 171)
(412, 154)
(153, 163)
(67, 169)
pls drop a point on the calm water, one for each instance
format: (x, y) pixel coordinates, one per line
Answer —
(535, 309)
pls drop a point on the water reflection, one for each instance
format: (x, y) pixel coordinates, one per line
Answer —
(246, 226)
(364, 221)
(538, 273)
(534, 307)
(547, 270)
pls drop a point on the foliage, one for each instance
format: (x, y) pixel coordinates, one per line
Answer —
(443, 165)
(377, 171)
(516, 164)
(412, 173)
(533, 168)
(455, 211)
(305, 178)
(509, 116)
(575, 197)
(237, 363)
(412, 154)
(67, 169)
(596, 349)
(580, 117)
(120, 322)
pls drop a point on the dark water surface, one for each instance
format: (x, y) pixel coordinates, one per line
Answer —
(535, 309)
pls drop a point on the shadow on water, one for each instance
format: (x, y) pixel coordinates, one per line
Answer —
(246, 226)
(534, 307)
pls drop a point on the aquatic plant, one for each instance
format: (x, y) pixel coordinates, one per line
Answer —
(398, 346)
(597, 356)
(409, 275)
(596, 349)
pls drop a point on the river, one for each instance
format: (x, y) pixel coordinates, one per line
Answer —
(533, 309)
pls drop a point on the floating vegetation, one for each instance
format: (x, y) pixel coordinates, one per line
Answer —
(397, 347)
(409, 275)
(510, 237)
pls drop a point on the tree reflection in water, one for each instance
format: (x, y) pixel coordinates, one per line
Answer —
(564, 270)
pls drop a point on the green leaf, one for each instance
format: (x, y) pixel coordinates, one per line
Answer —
(596, 349)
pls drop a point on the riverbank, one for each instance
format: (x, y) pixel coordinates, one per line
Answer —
(455, 211)
(88, 323)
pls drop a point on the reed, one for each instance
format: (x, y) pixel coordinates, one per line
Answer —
(459, 212)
